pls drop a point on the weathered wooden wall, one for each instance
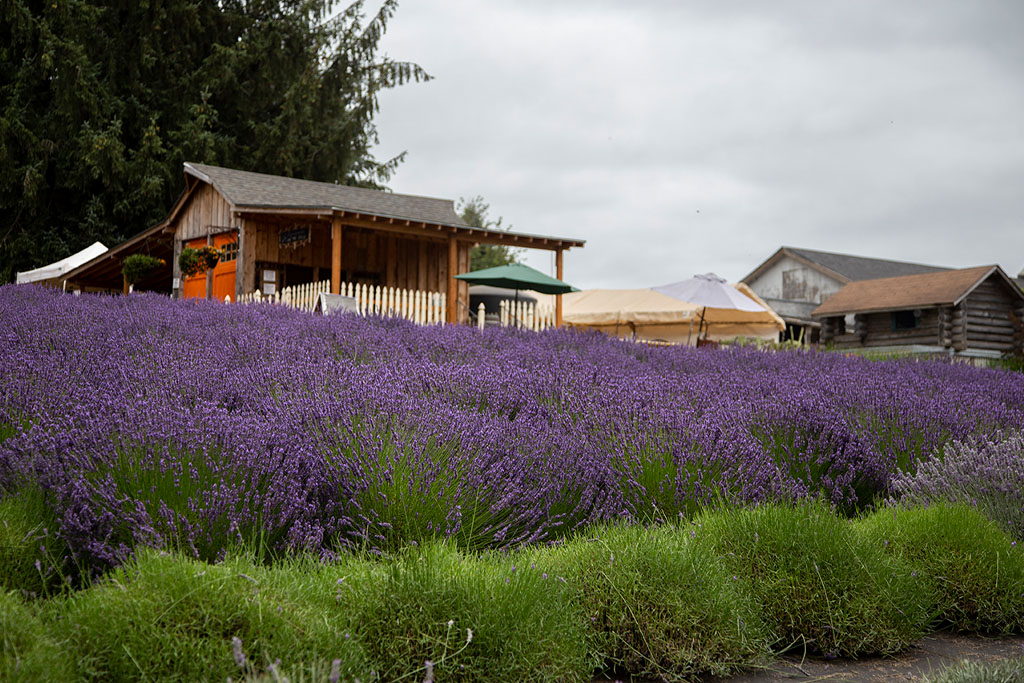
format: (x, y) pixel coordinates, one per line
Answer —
(986, 314)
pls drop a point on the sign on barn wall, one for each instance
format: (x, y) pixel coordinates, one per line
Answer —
(294, 237)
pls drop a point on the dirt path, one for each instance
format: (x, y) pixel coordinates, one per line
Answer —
(931, 654)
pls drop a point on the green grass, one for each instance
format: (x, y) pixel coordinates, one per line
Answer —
(973, 569)
(27, 536)
(1007, 671)
(656, 606)
(671, 602)
(820, 586)
(27, 650)
(164, 617)
(477, 618)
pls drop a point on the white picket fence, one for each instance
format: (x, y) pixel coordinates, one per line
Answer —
(421, 307)
(526, 315)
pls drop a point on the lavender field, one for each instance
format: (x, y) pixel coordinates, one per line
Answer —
(195, 426)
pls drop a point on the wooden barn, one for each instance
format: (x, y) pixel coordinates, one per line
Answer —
(971, 311)
(275, 232)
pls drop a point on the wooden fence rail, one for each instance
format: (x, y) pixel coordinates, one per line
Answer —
(421, 307)
(526, 315)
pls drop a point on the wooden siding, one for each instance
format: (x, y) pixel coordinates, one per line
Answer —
(206, 213)
(986, 314)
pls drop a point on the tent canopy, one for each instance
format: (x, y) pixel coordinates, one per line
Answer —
(65, 265)
(650, 315)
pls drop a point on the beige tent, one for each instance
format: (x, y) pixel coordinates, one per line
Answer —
(647, 315)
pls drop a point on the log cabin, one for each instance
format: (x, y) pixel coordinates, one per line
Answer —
(273, 232)
(794, 281)
(971, 312)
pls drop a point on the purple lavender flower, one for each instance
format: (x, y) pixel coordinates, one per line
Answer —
(194, 426)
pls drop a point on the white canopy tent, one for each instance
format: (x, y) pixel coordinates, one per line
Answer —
(52, 273)
(647, 315)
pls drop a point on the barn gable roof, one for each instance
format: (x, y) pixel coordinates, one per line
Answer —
(844, 267)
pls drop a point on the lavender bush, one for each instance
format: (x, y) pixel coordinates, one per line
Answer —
(198, 425)
(986, 472)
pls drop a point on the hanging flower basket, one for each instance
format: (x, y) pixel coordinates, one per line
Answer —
(137, 266)
(196, 261)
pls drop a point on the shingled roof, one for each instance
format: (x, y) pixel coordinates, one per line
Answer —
(845, 267)
(245, 189)
(944, 288)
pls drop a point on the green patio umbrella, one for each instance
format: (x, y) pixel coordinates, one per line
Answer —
(517, 276)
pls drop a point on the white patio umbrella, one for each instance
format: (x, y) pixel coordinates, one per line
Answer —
(709, 291)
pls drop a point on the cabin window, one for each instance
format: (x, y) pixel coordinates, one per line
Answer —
(905, 320)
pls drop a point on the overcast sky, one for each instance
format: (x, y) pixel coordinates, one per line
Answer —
(682, 137)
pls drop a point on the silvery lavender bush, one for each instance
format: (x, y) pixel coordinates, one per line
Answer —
(196, 425)
(986, 472)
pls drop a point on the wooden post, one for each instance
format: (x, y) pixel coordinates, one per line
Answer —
(453, 284)
(209, 271)
(125, 277)
(336, 256)
(558, 297)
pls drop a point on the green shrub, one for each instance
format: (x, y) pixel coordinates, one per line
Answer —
(819, 584)
(969, 563)
(164, 617)
(656, 606)
(1007, 671)
(28, 652)
(475, 618)
(31, 557)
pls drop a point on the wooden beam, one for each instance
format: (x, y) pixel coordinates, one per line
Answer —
(336, 255)
(558, 298)
(453, 289)
(414, 227)
(209, 273)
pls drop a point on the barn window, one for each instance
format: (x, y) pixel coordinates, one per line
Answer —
(229, 252)
(906, 320)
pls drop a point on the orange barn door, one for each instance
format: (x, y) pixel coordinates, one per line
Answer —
(223, 274)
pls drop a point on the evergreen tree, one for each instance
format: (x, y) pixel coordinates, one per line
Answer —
(481, 256)
(102, 100)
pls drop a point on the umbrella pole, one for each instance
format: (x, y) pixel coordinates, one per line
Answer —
(702, 311)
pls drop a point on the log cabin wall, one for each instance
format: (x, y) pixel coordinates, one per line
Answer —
(832, 328)
(880, 332)
(876, 329)
(987, 319)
